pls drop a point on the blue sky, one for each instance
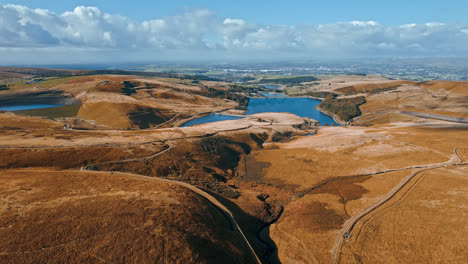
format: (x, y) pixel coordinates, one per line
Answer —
(292, 12)
(89, 31)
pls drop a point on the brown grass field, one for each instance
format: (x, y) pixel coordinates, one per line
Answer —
(423, 224)
(310, 160)
(147, 102)
(71, 157)
(66, 216)
(310, 223)
(289, 193)
(438, 97)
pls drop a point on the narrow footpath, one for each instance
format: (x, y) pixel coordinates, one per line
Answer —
(348, 226)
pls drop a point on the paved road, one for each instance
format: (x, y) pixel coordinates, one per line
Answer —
(351, 223)
(415, 114)
(436, 116)
(411, 113)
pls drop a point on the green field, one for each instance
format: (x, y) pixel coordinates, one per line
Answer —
(57, 81)
(47, 83)
(53, 112)
(177, 70)
(272, 76)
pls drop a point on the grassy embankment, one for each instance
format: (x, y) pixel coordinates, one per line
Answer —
(53, 112)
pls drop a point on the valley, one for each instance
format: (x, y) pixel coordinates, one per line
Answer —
(114, 175)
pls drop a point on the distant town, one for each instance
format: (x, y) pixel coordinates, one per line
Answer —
(410, 69)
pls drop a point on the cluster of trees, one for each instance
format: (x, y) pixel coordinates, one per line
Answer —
(348, 90)
(41, 72)
(382, 89)
(370, 88)
(128, 88)
(249, 90)
(242, 88)
(344, 108)
(224, 153)
(357, 73)
(242, 100)
(282, 136)
(320, 94)
(233, 93)
(246, 78)
(200, 78)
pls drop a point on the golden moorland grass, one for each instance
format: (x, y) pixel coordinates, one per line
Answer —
(309, 225)
(74, 148)
(370, 87)
(11, 121)
(337, 152)
(66, 216)
(118, 114)
(385, 118)
(71, 157)
(92, 217)
(423, 223)
(437, 97)
(451, 86)
(307, 229)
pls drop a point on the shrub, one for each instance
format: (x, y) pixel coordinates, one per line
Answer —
(321, 94)
(242, 100)
(282, 136)
(128, 88)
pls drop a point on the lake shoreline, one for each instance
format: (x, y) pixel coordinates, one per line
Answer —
(44, 97)
(335, 117)
(226, 113)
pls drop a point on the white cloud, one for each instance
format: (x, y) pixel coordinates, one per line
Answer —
(364, 23)
(202, 32)
(229, 21)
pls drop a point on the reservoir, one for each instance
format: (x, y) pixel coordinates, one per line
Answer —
(271, 87)
(303, 107)
(27, 107)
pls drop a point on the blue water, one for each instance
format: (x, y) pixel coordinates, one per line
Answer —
(271, 87)
(26, 107)
(303, 107)
(209, 119)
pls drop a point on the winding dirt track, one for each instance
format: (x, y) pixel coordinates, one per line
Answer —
(351, 223)
(159, 153)
(205, 135)
(200, 192)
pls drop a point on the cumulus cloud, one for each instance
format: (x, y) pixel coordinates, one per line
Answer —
(202, 31)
